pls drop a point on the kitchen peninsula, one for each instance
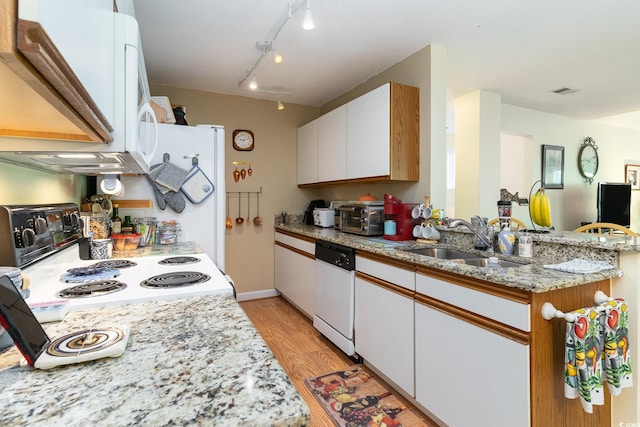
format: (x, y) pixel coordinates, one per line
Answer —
(192, 361)
(490, 318)
(549, 249)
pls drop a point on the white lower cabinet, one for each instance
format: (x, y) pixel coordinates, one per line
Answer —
(467, 374)
(295, 271)
(384, 321)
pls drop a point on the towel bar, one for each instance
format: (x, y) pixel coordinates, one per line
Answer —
(550, 312)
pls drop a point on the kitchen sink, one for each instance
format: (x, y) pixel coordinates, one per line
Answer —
(444, 253)
(484, 262)
(468, 258)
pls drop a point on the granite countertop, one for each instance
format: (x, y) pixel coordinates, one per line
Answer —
(531, 277)
(193, 361)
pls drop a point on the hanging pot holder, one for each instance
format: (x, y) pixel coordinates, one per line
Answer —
(170, 175)
(197, 186)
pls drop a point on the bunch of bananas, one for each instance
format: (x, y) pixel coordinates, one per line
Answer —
(539, 209)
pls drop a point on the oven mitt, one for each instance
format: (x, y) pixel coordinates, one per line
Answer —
(197, 187)
(162, 204)
(175, 201)
(151, 177)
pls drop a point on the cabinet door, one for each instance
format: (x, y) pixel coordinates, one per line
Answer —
(368, 134)
(332, 145)
(294, 275)
(83, 32)
(467, 375)
(307, 144)
(384, 332)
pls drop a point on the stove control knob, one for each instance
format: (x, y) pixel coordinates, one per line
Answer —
(17, 238)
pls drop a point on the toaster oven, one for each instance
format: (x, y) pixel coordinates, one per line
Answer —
(363, 219)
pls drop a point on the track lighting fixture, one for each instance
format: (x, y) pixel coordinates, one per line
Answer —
(308, 24)
(280, 104)
(265, 46)
(277, 58)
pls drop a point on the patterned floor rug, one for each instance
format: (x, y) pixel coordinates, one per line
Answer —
(355, 398)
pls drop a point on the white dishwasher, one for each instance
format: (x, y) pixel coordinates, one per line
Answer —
(334, 293)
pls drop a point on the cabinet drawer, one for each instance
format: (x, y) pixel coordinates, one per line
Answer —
(303, 245)
(404, 277)
(506, 311)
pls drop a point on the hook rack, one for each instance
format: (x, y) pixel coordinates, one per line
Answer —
(550, 312)
(239, 193)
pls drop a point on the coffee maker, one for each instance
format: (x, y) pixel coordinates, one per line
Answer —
(398, 215)
(308, 215)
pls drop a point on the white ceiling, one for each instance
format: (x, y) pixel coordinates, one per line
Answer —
(521, 49)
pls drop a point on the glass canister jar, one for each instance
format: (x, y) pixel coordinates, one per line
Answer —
(100, 225)
(168, 234)
(146, 227)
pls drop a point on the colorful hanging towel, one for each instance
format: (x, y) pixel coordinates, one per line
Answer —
(583, 365)
(616, 356)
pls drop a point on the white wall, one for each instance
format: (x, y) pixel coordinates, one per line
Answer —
(516, 174)
(577, 201)
(477, 145)
(24, 186)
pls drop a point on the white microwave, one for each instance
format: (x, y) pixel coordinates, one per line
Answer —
(134, 122)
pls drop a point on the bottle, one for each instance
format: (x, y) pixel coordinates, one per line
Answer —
(116, 222)
(525, 246)
(506, 240)
(127, 225)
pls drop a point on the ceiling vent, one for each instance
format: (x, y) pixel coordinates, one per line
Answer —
(564, 91)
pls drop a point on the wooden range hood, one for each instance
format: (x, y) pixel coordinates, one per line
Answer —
(42, 97)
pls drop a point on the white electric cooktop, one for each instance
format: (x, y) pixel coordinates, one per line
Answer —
(48, 277)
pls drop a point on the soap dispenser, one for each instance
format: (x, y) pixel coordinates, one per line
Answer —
(506, 240)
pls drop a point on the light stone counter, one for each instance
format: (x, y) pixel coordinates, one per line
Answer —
(193, 361)
(549, 248)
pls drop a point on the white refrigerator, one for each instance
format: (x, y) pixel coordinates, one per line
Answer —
(203, 222)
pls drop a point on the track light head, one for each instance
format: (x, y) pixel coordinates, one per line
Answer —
(253, 83)
(277, 58)
(280, 105)
(308, 24)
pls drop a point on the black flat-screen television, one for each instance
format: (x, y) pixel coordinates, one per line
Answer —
(614, 203)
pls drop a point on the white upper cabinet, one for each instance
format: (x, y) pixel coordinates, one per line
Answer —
(308, 153)
(369, 151)
(332, 145)
(375, 137)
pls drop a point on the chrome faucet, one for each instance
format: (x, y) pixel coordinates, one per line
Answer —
(484, 232)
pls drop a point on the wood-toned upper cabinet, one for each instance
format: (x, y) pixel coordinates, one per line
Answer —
(44, 94)
(379, 134)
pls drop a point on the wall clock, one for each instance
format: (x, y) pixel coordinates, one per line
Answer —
(588, 159)
(243, 140)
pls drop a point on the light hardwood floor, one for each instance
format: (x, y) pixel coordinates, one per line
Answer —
(301, 350)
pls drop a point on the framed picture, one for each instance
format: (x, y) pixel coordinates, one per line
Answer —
(552, 166)
(632, 175)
